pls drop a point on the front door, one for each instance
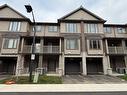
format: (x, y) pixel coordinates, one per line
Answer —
(51, 65)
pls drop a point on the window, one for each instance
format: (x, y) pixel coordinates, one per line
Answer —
(10, 43)
(71, 27)
(52, 28)
(92, 28)
(94, 44)
(121, 30)
(107, 29)
(72, 44)
(38, 28)
(14, 26)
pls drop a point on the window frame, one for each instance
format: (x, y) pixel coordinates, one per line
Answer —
(92, 28)
(8, 40)
(52, 29)
(108, 30)
(71, 28)
(37, 27)
(94, 44)
(121, 32)
(15, 26)
(69, 44)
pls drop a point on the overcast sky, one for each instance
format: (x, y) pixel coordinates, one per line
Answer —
(114, 11)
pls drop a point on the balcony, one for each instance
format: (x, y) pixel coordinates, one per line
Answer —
(116, 50)
(42, 50)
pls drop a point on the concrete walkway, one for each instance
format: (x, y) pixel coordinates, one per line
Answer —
(92, 79)
(64, 88)
(4, 76)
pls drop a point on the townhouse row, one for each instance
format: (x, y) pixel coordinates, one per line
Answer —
(79, 43)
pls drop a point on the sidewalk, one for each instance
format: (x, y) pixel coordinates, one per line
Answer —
(63, 88)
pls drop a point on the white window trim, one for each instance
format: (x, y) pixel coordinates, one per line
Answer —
(95, 27)
(108, 31)
(98, 44)
(122, 30)
(10, 44)
(18, 26)
(68, 44)
(52, 29)
(36, 27)
(71, 28)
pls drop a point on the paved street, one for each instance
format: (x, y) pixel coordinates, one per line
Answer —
(91, 79)
(63, 87)
(67, 93)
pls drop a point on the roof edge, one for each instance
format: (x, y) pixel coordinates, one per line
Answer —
(82, 8)
(6, 5)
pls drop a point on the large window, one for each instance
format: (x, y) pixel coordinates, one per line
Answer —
(38, 28)
(94, 44)
(121, 30)
(71, 27)
(15, 26)
(107, 29)
(92, 28)
(10, 43)
(52, 28)
(72, 44)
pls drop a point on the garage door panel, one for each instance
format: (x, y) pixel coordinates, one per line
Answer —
(94, 66)
(72, 66)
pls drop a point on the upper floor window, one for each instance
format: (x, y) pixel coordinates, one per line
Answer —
(94, 44)
(14, 26)
(38, 28)
(72, 44)
(71, 27)
(121, 30)
(10, 43)
(92, 28)
(107, 29)
(52, 28)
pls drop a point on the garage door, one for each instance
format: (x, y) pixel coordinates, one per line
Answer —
(72, 66)
(94, 66)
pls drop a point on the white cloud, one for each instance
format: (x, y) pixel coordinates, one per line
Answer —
(114, 11)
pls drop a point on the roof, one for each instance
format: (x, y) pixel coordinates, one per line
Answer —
(85, 10)
(5, 5)
(115, 25)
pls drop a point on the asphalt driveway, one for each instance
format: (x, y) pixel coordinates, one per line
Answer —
(91, 79)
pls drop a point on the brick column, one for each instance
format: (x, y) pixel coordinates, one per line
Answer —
(19, 65)
(109, 70)
(41, 56)
(22, 44)
(124, 46)
(83, 49)
(105, 65)
(125, 58)
(61, 66)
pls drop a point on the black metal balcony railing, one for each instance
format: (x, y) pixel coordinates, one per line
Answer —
(39, 49)
(116, 50)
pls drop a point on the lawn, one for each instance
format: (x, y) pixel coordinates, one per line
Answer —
(42, 80)
(124, 77)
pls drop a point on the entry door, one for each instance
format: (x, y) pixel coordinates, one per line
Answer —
(51, 65)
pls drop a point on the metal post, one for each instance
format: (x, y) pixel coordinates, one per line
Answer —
(29, 9)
